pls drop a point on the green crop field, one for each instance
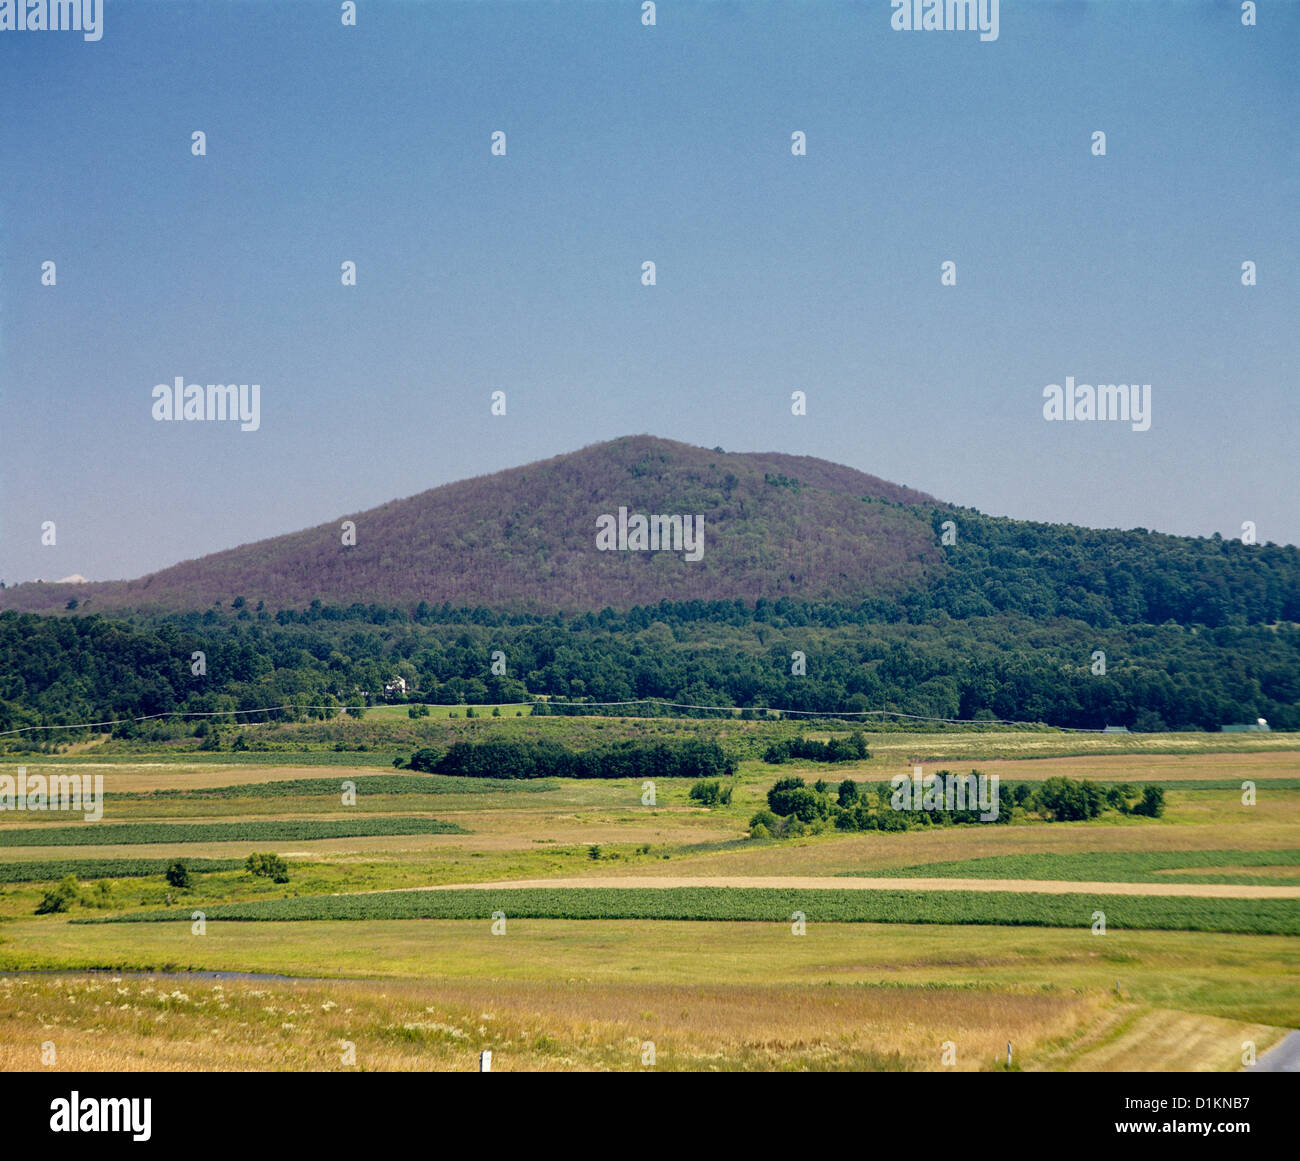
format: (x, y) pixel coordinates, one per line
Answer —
(285, 830)
(774, 905)
(1117, 867)
(46, 870)
(363, 784)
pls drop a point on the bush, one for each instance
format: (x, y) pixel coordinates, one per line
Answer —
(1068, 800)
(426, 760)
(848, 792)
(892, 821)
(60, 898)
(1153, 802)
(778, 797)
(102, 896)
(271, 866)
(790, 796)
(178, 874)
(850, 749)
(777, 753)
(706, 793)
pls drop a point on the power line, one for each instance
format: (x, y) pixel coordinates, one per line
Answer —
(730, 711)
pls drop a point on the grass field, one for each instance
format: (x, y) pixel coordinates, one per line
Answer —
(715, 995)
(593, 967)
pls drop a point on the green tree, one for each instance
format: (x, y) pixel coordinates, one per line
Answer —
(270, 866)
(1069, 800)
(1153, 802)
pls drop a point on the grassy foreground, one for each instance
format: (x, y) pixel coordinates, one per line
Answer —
(562, 995)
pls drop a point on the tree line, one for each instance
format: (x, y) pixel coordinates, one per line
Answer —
(544, 758)
(65, 670)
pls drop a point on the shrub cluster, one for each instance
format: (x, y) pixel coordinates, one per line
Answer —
(271, 866)
(711, 794)
(849, 749)
(795, 808)
(506, 758)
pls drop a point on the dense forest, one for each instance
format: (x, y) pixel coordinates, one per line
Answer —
(816, 658)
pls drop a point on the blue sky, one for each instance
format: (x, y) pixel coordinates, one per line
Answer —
(624, 143)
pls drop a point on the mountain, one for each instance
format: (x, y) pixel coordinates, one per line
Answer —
(891, 597)
(773, 526)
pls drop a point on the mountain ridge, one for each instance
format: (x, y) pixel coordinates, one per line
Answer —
(777, 527)
(525, 537)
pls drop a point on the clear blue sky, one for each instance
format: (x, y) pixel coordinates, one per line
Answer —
(627, 143)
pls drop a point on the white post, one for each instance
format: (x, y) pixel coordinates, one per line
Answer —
(485, 1060)
(1008, 1053)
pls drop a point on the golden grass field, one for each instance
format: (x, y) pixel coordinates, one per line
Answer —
(566, 994)
(728, 995)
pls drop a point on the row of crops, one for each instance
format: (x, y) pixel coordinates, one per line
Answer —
(48, 870)
(260, 831)
(364, 784)
(1112, 867)
(773, 905)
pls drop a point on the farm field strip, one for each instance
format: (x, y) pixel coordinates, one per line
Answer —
(764, 905)
(1201, 866)
(829, 883)
(283, 830)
